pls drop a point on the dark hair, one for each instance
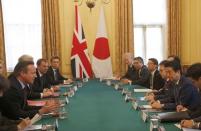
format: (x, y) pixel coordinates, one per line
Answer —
(194, 71)
(54, 57)
(163, 62)
(4, 83)
(22, 67)
(154, 60)
(39, 61)
(139, 59)
(175, 65)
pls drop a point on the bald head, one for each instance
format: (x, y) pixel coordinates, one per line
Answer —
(128, 58)
(25, 58)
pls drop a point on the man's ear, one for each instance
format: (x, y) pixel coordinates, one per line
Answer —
(199, 79)
(178, 71)
(22, 73)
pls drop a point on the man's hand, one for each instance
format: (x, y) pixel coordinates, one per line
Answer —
(187, 123)
(150, 97)
(55, 88)
(47, 93)
(23, 124)
(117, 76)
(50, 106)
(68, 81)
(181, 108)
(126, 81)
(156, 105)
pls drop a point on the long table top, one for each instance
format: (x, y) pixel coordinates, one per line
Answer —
(99, 107)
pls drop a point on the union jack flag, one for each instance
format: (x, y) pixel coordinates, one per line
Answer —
(80, 62)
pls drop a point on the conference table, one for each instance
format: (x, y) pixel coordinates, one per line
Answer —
(99, 107)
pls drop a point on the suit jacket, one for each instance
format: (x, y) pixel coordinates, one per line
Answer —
(130, 74)
(51, 79)
(142, 77)
(166, 94)
(40, 83)
(15, 102)
(197, 113)
(6, 124)
(158, 81)
(185, 94)
(31, 94)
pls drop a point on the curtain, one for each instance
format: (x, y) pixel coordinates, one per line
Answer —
(2, 44)
(124, 32)
(50, 29)
(174, 27)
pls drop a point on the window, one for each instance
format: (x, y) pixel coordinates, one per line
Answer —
(22, 29)
(149, 28)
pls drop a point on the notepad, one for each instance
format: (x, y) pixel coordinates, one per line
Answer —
(142, 90)
(36, 103)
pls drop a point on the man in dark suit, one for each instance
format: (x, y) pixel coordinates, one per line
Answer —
(15, 98)
(142, 73)
(53, 74)
(6, 124)
(130, 74)
(40, 82)
(194, 73)
(186, 96)
(156, 82)
(31, 93)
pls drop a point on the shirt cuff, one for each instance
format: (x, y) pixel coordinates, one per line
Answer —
(41, 95)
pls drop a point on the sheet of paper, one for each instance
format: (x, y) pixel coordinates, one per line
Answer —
(36, 118)
(142, 90)
(189, 129)
(146, 106)
(33, 128)
(66, 86)
(178, 125)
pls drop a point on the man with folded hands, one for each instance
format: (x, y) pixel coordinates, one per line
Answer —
(15, 98)
(165, 93)
(41, 84)
(53, 75)
(185, 95)
(131, 72)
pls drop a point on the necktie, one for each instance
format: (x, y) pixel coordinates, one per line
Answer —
(41, 82)
(151, 81)
(55, 75)
(26, 92)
